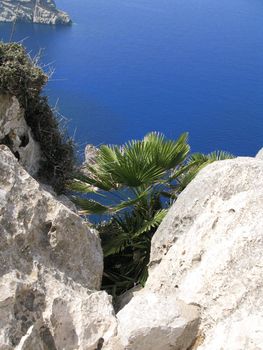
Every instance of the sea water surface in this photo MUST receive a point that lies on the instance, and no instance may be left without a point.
(127, 67)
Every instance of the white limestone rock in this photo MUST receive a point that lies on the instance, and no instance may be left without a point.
(91, 153)
(205, 286)
(208, 252)
(126, 297)
(15, 132)
(51, 265)
(40, 311)
(152, 321)
(36, 11)
(33, 219)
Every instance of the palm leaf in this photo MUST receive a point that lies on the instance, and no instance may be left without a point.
(81, 187)
(128, 203)
(90, 206)
(116, 244)
(95, 179)
(195, 163)
(151, 223)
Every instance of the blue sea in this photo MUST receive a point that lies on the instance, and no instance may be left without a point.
(127, 67)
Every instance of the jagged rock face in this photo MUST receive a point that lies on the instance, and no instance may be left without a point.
(91, 152)
(205, 286)
(207, 253)
(90, 155)
(15, 133)
(51, 265)
(36, 11)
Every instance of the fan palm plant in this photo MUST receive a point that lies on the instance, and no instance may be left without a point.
(131, 188)
(128, 174)
(126, 241)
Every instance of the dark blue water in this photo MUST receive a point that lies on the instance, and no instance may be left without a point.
(127, 67)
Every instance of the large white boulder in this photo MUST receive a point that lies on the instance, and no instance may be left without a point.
(51, 265)
(214, 186)
(205, 286)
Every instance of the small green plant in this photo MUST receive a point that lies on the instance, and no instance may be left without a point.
(127, 175)
(130, 188)
(20, 76)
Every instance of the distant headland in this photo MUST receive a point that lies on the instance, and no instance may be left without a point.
(34, 11)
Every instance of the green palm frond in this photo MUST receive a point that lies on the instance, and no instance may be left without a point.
(90, 206)
(108, 155)
(116, 245)
(210, 157)
(81, 187)
(194, 164)
(167, 153)
(220, 155)
(184, 180)
(154, 222)
(138, 162)
(96, 180)
(185, 168)
(130, 202)
(126, 237)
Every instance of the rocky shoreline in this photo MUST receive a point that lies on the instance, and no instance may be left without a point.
(34, 11)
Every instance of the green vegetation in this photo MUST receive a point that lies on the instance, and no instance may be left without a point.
(21, 77)
(131, 187)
